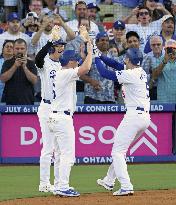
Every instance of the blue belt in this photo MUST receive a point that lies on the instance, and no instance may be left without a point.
(140, 108)
(65, 112)
(47, 101)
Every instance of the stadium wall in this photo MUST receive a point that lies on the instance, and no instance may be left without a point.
(95, 126)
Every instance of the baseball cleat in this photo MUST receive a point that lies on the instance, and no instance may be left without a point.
(46, 188)
(105, 185)
(67, 193)
(123, 192)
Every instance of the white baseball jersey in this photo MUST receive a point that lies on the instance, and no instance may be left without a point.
(135, 89)
(65, 89)
(47, 75)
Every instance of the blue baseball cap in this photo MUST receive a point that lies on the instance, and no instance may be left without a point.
(93, 5)
(119, 24)
(68, 55)
(101, 35)
(12, 16)
(59, 42)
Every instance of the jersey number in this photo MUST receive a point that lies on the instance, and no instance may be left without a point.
(52, 76)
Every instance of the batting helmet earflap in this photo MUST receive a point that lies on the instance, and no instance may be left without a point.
(135, 56)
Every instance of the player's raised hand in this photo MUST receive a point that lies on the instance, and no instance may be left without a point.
(55, 36)
(89, 47)
(84, 34)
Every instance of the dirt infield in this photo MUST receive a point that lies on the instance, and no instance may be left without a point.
(159, 197)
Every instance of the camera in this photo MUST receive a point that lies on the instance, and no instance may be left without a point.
(19, 55)
(169, 51)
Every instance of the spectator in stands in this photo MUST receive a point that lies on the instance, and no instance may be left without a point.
(165, 73)
(133, 41)
(81, 12)
(151, 61)
(119, 39)
(106, 2)
(40, 38)
(36, 6)
(92, 13)
(7, 53)
(167, 32)
(156, 9)
(144, 28)
(79, 42)
(13, 31)
(31, 24)
(53, 8)
(99, 90)
(19, 75)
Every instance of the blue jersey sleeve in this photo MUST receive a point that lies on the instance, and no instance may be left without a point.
(111, 75)
(112, 63)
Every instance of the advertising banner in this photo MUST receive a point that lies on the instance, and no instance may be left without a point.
(21, 135)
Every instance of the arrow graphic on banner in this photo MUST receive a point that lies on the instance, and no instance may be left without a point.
(145, 141)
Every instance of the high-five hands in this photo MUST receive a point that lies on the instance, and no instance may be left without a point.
(55, 33)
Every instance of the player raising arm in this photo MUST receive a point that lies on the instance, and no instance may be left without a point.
(47, 62)
(61, 121)
(135, 121)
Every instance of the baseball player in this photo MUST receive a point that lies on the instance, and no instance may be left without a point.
(61, 117)
(136, 120)
(47, 61)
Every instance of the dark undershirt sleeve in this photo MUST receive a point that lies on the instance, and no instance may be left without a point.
(39, 59)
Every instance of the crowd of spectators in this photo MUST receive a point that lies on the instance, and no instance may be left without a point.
(26, 27)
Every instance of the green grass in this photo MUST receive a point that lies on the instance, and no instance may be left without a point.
(22, 181)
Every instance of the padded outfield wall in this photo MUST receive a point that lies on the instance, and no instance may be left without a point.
(95, 125)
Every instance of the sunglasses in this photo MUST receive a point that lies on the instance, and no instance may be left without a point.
(156, 44)
(143, 13)
(153, 1)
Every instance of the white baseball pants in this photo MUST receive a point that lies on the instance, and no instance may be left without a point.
(132, 126)
(48, 147)
(62, 127)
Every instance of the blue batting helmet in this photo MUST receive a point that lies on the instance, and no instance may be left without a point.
(135, 56)
(56, 43)
(68, 55)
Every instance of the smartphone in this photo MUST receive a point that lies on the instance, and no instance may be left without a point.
(169, 51)
(19, 55)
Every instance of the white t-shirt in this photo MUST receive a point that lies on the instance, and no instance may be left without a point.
(7, 36)
(47, 75)
(135, 89)
(65, 89)
(145, 32)
(74, 26)
(41, 42)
